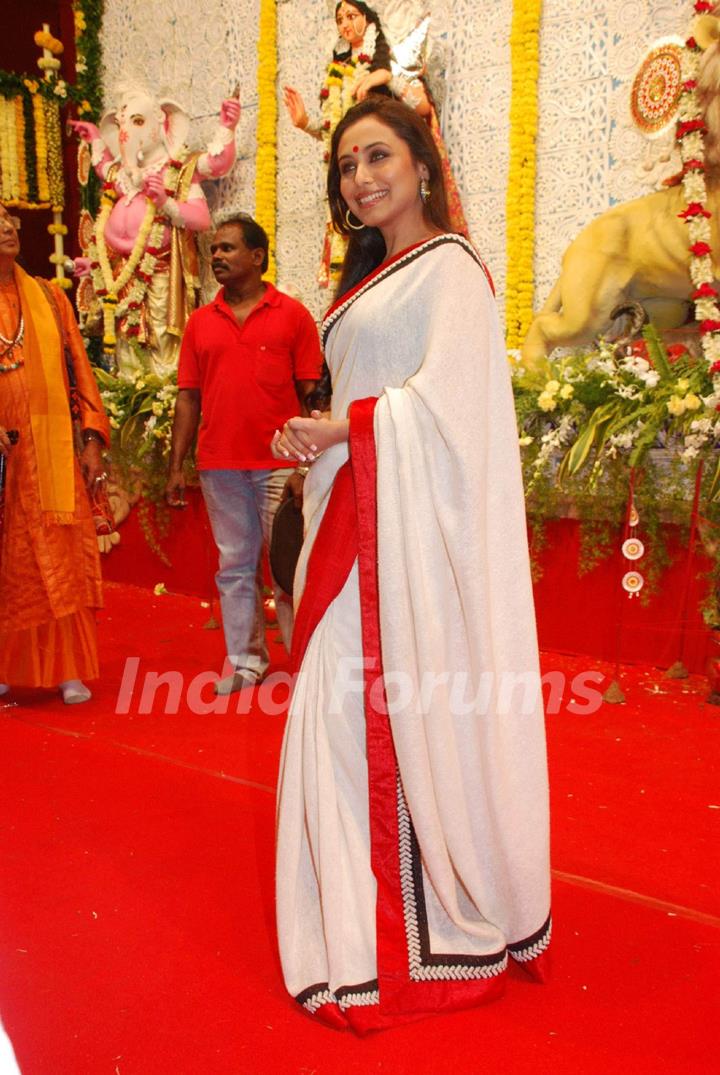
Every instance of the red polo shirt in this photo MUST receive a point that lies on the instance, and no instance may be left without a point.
(246, 375)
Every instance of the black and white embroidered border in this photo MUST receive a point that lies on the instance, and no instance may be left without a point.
(425, 965)
(532, 947)
(349, 996)
(439, 240)
(313, 998)
(358, 996)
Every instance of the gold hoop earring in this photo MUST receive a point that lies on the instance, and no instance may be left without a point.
(354, 227)
(424, 191)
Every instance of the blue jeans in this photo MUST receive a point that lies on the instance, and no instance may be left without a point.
(241, 505)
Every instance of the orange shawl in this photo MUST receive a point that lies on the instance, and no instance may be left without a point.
(49, 402)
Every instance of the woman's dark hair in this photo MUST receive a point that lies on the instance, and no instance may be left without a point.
(366, 248)
(381, 57)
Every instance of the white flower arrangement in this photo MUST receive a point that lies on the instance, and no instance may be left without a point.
(601, 406)
(141, 408)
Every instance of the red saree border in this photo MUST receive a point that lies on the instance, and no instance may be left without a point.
(329, 564)
(392, 960)
(400, 996)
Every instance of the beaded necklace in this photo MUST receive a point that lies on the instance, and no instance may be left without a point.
(6, 357)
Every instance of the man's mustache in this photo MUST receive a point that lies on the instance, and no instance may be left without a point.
(218, 265)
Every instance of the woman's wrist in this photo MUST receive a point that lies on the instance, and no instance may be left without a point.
(341, 430)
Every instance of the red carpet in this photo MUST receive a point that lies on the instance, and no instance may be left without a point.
(136, 892)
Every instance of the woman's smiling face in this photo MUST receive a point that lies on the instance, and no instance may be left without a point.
(379, 179)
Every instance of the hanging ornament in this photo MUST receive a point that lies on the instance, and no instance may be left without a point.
(85, 295)
(85, 230)
(84, 164)
(633, 583)
(633, 549)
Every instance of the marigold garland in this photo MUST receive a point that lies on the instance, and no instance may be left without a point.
(45, 40)
(524, 50)
(266, 160)
(30, 162)
(107, 286)
(31, 176)
(6, 152)
(20, 149)
(56, 179)
(11, 170)
(41, 149)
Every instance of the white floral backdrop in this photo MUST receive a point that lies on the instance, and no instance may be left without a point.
(589, 154)
(196, 53)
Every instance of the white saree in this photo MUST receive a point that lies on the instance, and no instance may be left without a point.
(412, 857)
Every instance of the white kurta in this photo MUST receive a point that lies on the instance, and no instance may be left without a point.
(459, 654)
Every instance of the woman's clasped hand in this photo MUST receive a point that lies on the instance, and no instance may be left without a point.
(305, 439)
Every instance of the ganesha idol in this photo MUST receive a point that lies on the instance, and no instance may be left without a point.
(143, 259)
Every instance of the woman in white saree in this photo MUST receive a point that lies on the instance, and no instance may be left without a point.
(412, 861)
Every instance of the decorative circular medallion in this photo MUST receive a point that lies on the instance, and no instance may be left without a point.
(85, 295)
(84, 162)
(633, 549)
(633, 582)
(85, 229)
(634, 517)
(657, 87)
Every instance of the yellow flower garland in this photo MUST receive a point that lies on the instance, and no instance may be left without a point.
(114, 285)
(10, 171)
(20, 149)
(524, 50)
(56, 180)
(266, 159)
(41, 149)
(47, 151)
(13, 161)
(5, 152)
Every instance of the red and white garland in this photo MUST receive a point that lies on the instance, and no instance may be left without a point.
(139, 266)
(690, 136)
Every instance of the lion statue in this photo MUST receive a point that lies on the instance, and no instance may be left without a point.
(637, 252)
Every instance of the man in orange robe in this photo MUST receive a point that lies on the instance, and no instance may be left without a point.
(50, 580)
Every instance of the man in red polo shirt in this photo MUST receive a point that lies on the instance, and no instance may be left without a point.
(248, 361)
